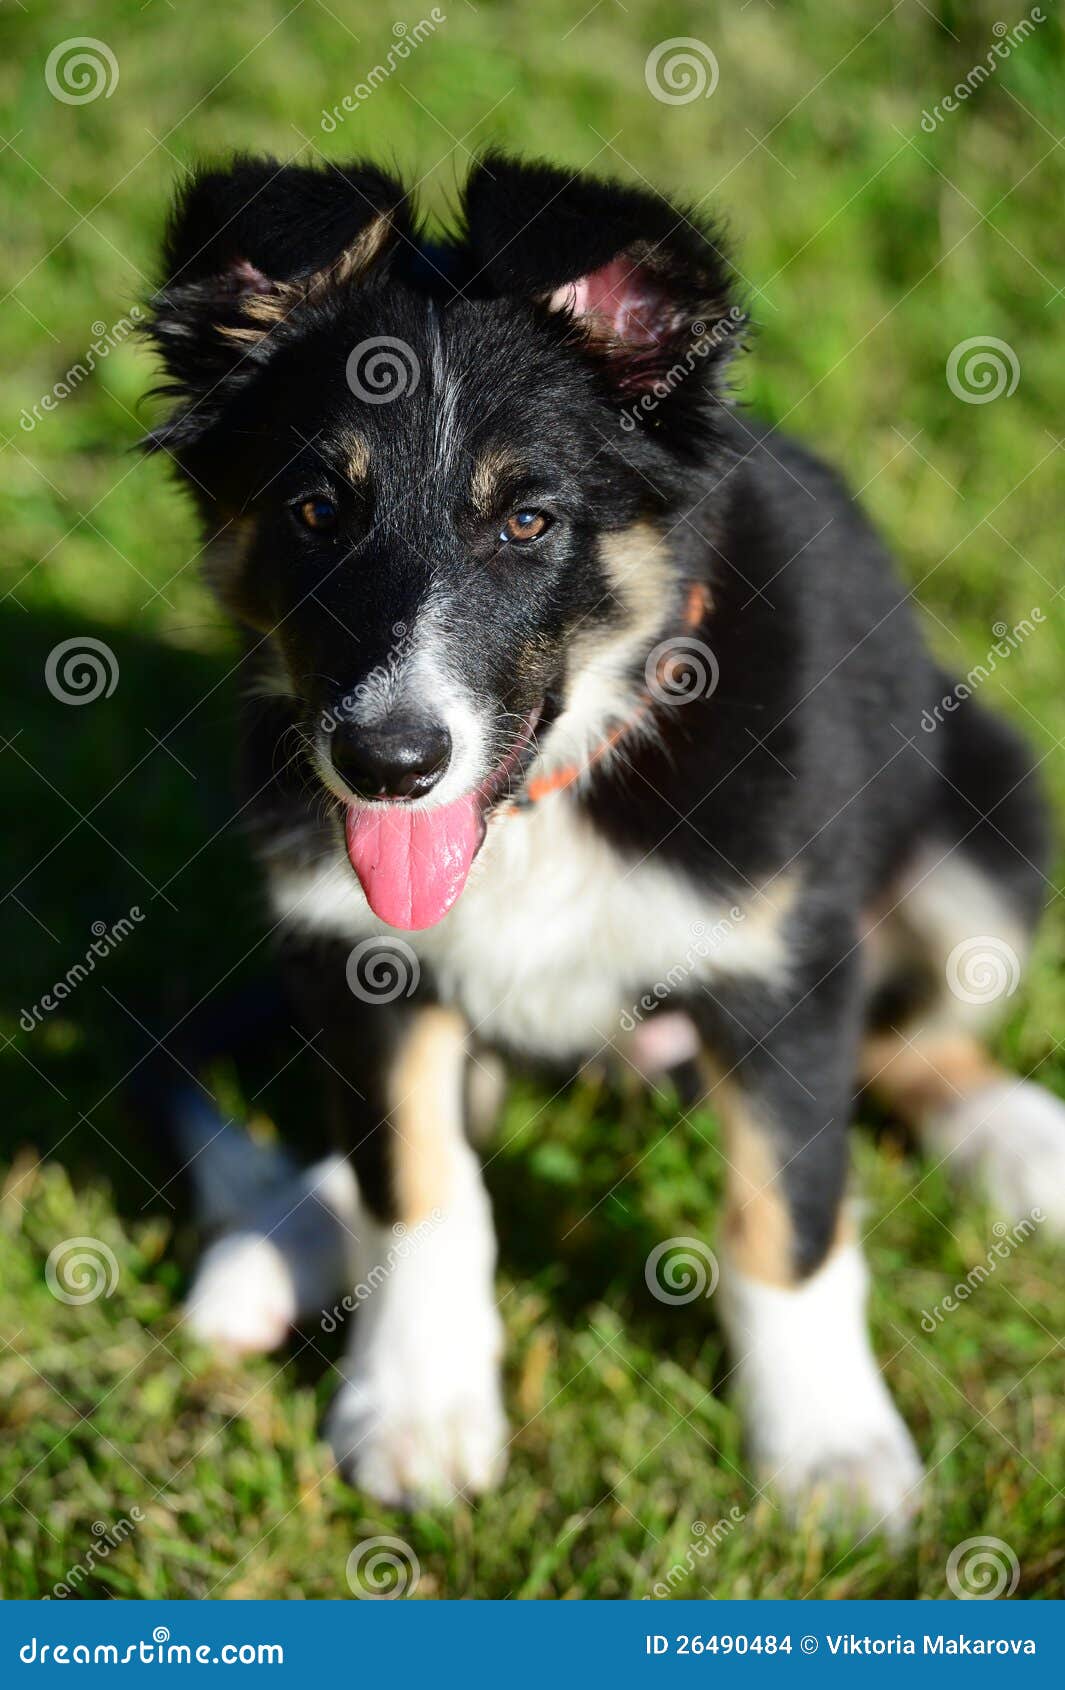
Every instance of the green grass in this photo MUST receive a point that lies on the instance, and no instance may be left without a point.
(871, 249)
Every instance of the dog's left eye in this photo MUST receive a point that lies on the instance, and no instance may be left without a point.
(315, 513)
(523, 526)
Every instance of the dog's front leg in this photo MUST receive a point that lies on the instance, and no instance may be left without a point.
(820, 1424)
(418, 1415)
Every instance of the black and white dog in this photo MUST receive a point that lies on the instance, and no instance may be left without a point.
(590, 712)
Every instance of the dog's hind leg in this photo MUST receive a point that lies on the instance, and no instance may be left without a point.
(954, 937)
(280, 1232)
(285, 1234)
(929, 1063)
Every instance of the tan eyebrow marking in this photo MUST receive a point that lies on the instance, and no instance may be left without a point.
(358, 460)
(488, 474)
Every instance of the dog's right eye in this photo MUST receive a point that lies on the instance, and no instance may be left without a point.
(317, 514)
(523, 526)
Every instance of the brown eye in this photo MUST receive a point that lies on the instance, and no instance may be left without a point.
(525, 525)
(317, 514)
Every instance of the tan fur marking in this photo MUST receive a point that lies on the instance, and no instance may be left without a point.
(265, 310)
(488, 474)
(637, 568)
(360, 256)
(245, 335)
(358, 461)
(425, 1091)
(224, 569)
(766, 914)
(644, 584)
(757, 1225)
(636, 562)
(917, 1078)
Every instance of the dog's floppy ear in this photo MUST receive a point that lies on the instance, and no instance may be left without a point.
(647, 283)
(248, 248)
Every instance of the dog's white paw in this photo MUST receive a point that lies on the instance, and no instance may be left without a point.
(289, 1260)
(411, 1437)
(419, 1417)
(820, 1425)
(1010, 1137)
(865, 1475)
(243, 1298)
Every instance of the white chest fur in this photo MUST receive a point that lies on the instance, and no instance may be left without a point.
(558, 946)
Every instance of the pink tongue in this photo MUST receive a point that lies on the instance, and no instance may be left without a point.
(412, 863)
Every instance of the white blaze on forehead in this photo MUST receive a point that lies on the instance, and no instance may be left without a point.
(432, 684)
(374, 698)
(422, 677)
(423, 672)
(445, 393)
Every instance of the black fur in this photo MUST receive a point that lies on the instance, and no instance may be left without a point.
(809, 752)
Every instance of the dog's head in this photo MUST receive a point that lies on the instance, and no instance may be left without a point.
(451, 485)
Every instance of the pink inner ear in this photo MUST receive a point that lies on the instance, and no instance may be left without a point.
(245, 278)
(625, 299)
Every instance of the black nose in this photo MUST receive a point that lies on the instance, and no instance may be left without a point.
(403, 758)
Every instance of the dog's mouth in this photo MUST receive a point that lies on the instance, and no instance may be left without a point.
(413, 862)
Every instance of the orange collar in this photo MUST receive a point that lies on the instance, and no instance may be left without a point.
(696, 606)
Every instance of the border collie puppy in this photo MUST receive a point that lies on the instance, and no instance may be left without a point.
(572, 689)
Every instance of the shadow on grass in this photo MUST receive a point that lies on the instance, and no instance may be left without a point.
(118, 811)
